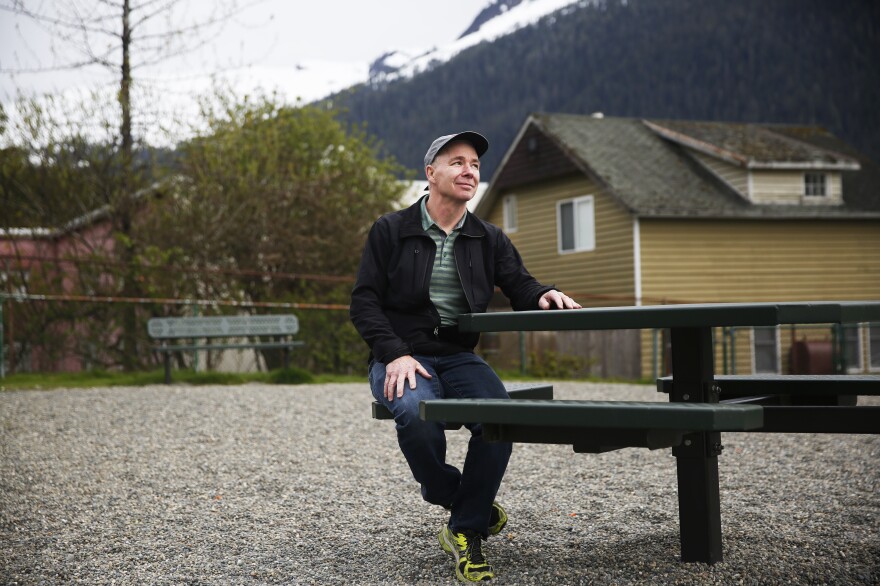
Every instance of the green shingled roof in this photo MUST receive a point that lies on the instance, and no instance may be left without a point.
(750, 145)
(654, 176)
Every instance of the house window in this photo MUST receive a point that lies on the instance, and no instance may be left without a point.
(575, 224)
(765, 349)
(815, 185)
(510, 218)
(874, 343)
(852, 348)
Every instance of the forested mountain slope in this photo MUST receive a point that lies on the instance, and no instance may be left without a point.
(781, 61)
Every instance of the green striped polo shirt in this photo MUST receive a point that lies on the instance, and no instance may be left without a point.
(446, 292)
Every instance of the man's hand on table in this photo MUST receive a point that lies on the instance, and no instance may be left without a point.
(398, 372)
(554, 299)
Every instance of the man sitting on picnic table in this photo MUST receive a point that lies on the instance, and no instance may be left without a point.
(421, 268)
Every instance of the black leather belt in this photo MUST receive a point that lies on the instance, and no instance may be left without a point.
(446, 333)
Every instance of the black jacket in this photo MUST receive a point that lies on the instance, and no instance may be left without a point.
(390, 303)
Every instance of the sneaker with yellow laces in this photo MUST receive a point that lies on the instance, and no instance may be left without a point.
(467, 549)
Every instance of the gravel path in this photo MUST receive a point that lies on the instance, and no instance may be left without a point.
(297, 485)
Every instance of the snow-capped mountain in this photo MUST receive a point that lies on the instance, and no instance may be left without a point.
(498, 18)
(314, 79)
(168, 95)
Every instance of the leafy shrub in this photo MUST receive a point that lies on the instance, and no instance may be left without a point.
(550, 364)
(290, 376)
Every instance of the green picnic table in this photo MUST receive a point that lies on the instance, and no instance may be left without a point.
(692, 421)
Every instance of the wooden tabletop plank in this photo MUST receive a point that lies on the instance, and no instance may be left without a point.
(665, 316)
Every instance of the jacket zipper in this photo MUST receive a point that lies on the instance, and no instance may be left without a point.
(467, 294)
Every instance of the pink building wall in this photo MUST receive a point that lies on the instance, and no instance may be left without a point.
(51, 259)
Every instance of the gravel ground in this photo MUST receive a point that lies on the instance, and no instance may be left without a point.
(297, 485)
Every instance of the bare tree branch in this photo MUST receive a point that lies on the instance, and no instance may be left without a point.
(76, 28)
(232, 10)
(54, 21)
(65, 67)
(116, 5)
(163, 9)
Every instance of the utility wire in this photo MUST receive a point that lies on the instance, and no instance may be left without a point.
(203, 270)
(170, 301)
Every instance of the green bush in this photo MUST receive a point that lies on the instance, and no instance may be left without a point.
(290, 376)
(550, 364)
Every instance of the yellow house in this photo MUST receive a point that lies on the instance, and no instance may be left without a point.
(620, 211)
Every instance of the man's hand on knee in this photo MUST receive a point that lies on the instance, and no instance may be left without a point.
(398, 372)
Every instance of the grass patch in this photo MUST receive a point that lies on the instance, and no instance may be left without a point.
(517, 376)
(101, 378)
(341, 378)
(291, 376)
(76, 380)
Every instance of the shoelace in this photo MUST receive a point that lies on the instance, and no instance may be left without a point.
(474, 548)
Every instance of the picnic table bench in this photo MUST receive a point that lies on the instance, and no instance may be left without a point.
(208, 328)
(693, 419)
(793, 403)
(593, 426)
(516, 390)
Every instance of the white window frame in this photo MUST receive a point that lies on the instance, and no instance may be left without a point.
(873, 338)
(511, 218)
(584, 235)
(777, 351)
(859, 366)
(815, 184)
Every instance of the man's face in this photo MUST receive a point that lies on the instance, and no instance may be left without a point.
(455, 172)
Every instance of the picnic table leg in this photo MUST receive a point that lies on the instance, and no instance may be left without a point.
(699, 501)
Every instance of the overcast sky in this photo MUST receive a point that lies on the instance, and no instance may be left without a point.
(270, 37)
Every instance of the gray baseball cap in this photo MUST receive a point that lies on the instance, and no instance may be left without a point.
(477, 140)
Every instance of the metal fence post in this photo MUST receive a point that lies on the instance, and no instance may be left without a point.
(2, 337)
(655, 362)
(196, 313)
(732, 331)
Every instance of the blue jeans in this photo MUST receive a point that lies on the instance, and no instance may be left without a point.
(467, 493)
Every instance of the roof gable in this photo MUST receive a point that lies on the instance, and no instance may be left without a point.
(534, 157)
